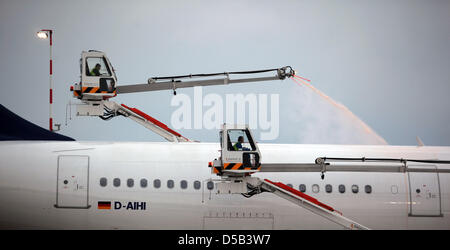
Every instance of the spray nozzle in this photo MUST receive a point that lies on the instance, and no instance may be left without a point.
(285, 72)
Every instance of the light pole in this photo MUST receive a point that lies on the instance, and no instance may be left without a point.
(44, 34)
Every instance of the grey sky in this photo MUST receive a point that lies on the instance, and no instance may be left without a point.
(387, 61)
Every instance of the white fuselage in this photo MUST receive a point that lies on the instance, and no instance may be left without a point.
(41, 187)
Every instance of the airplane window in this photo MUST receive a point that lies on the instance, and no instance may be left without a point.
(355, 189)
(394, 189)
(328, 188)
(197, 184)
(170, 184)
(130, 183)
(144, 183)
(103, 182)
(183, 184)
(210, 185)
(302, 188)
(368, 189)
(315, 188)
(290, 185)
(157, 183)
(341, 189)
(116, 182)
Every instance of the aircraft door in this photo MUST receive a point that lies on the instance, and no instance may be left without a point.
(72, 181)
(424, 193)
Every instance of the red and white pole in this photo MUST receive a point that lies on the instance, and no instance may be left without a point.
(51, 82)
(44, 34)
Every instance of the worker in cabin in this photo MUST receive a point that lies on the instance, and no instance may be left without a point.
(238, 145)
(96, 70)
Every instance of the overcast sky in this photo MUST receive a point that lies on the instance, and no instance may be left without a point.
(386, 61)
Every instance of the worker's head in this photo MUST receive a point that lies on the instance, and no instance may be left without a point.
(98, 66)
(241, 139)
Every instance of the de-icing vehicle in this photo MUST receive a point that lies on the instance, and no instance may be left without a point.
(98, 83)
(240, 158)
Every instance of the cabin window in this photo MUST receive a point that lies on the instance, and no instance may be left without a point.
(289, 185)
(302, 188)
(197, 184)
(103, 182)
(157, 183)
(328, 188)
(210, 185)
(97, 66)
(240, 140)
(315, 188)
(144, 183)
(107, 84)
(355, 189)
(183, 184)
(368, 189)
(130, 183)
(116, 182)
(341, 189)
(170, 184)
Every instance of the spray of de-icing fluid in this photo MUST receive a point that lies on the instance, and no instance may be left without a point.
(301, 81)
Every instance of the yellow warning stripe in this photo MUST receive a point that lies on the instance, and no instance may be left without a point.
(94, 90)
(236, 167)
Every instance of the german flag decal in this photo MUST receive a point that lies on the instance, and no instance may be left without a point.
(104, 205)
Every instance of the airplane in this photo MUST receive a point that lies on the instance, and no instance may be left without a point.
(50, 181)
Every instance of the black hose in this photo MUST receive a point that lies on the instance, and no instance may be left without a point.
(219, 74)
(105, 118)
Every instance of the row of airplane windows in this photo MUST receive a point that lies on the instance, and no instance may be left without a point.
(210, 185)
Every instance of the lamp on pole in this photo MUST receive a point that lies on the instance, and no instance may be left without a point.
(44, 34)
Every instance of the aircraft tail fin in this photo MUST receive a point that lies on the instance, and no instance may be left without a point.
(15, 128)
